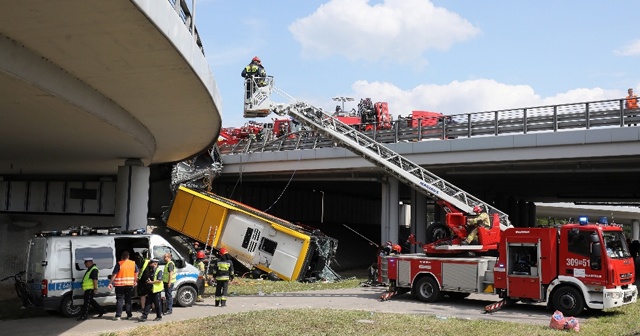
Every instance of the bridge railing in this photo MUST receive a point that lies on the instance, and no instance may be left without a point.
(550, 118)
(180, 6)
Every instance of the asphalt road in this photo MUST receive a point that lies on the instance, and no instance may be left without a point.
(366, 299)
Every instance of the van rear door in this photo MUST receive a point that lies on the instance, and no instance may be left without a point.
(103, 252)
(36, 265)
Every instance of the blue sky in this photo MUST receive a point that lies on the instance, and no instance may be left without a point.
(449, 56)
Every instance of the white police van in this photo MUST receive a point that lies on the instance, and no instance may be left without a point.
(55, 266)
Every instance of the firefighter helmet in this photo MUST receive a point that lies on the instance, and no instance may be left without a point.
(477, 209)
(397, 248)
(256, 59)
(200, 255)
(223, 251)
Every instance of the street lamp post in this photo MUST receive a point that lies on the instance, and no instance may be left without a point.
(342, 99)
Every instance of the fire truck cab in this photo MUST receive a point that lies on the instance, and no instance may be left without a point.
(570, 268)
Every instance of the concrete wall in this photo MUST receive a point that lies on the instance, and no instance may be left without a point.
(17, 229)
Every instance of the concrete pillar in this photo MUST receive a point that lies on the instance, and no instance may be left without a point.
(531, 211)
(132, 195)
(635, 230)
(512, 210)
(389, 214)
(418, 219)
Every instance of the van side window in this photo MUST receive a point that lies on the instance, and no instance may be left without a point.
(102, 257)
(159, 251)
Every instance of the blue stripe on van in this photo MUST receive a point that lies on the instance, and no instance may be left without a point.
(66, 285)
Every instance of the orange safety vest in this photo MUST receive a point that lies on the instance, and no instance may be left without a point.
(632, 102)
(127, 274)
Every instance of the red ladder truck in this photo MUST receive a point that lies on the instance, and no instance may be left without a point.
(571, 268)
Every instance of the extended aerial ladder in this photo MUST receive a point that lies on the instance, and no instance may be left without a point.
(456, 202)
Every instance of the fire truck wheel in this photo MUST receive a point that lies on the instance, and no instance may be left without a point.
(427, 290)
(568, 300)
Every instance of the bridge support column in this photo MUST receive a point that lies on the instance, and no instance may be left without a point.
(389, 213)
(635, 230)
(132, 195)
(418, 219)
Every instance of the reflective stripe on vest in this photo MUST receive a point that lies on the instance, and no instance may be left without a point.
(127, 274)
(223, 270)
(165, 273)
(144, 267)
(157, 287)
(87, 283)
(251, 70)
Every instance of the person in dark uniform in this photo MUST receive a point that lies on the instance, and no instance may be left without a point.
(143, 275)
(90, 288)
(155, 286)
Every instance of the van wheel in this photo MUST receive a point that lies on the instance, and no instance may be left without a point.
(186, 296)
(67, 308)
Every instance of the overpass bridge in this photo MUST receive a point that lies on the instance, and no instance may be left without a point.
(93, 94)
(586, 152)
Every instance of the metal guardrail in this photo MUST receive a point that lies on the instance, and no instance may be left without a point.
(180, 6)
(551, 118)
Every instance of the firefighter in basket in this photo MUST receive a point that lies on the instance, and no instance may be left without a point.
(482, 219)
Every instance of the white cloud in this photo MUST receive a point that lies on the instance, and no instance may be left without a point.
(469, 96)
(631, 49)
(392, 31)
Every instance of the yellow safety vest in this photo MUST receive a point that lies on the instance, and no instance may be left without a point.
(223, 270)
(144, 267)
(165, 273)
(157, 287)
(87, 283)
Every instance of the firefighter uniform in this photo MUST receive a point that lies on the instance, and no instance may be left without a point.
(90, 288)
(251, 71)
(224, 273)
(481, 220)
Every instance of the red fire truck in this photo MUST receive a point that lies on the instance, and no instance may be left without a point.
(570, 268)
(573, 267)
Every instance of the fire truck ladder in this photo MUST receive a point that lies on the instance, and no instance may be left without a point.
(391, 162)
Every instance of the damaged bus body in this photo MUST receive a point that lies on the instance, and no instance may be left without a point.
(252, 237)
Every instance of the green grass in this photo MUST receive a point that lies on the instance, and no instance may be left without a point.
(242, 286)
(338, 322)
(620, 321)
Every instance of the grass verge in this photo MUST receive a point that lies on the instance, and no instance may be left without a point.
(338, 322)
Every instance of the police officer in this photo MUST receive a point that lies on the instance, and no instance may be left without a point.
(143, 276)
(90, 288)
(224, 273)
(155, 287)
(169, 278)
